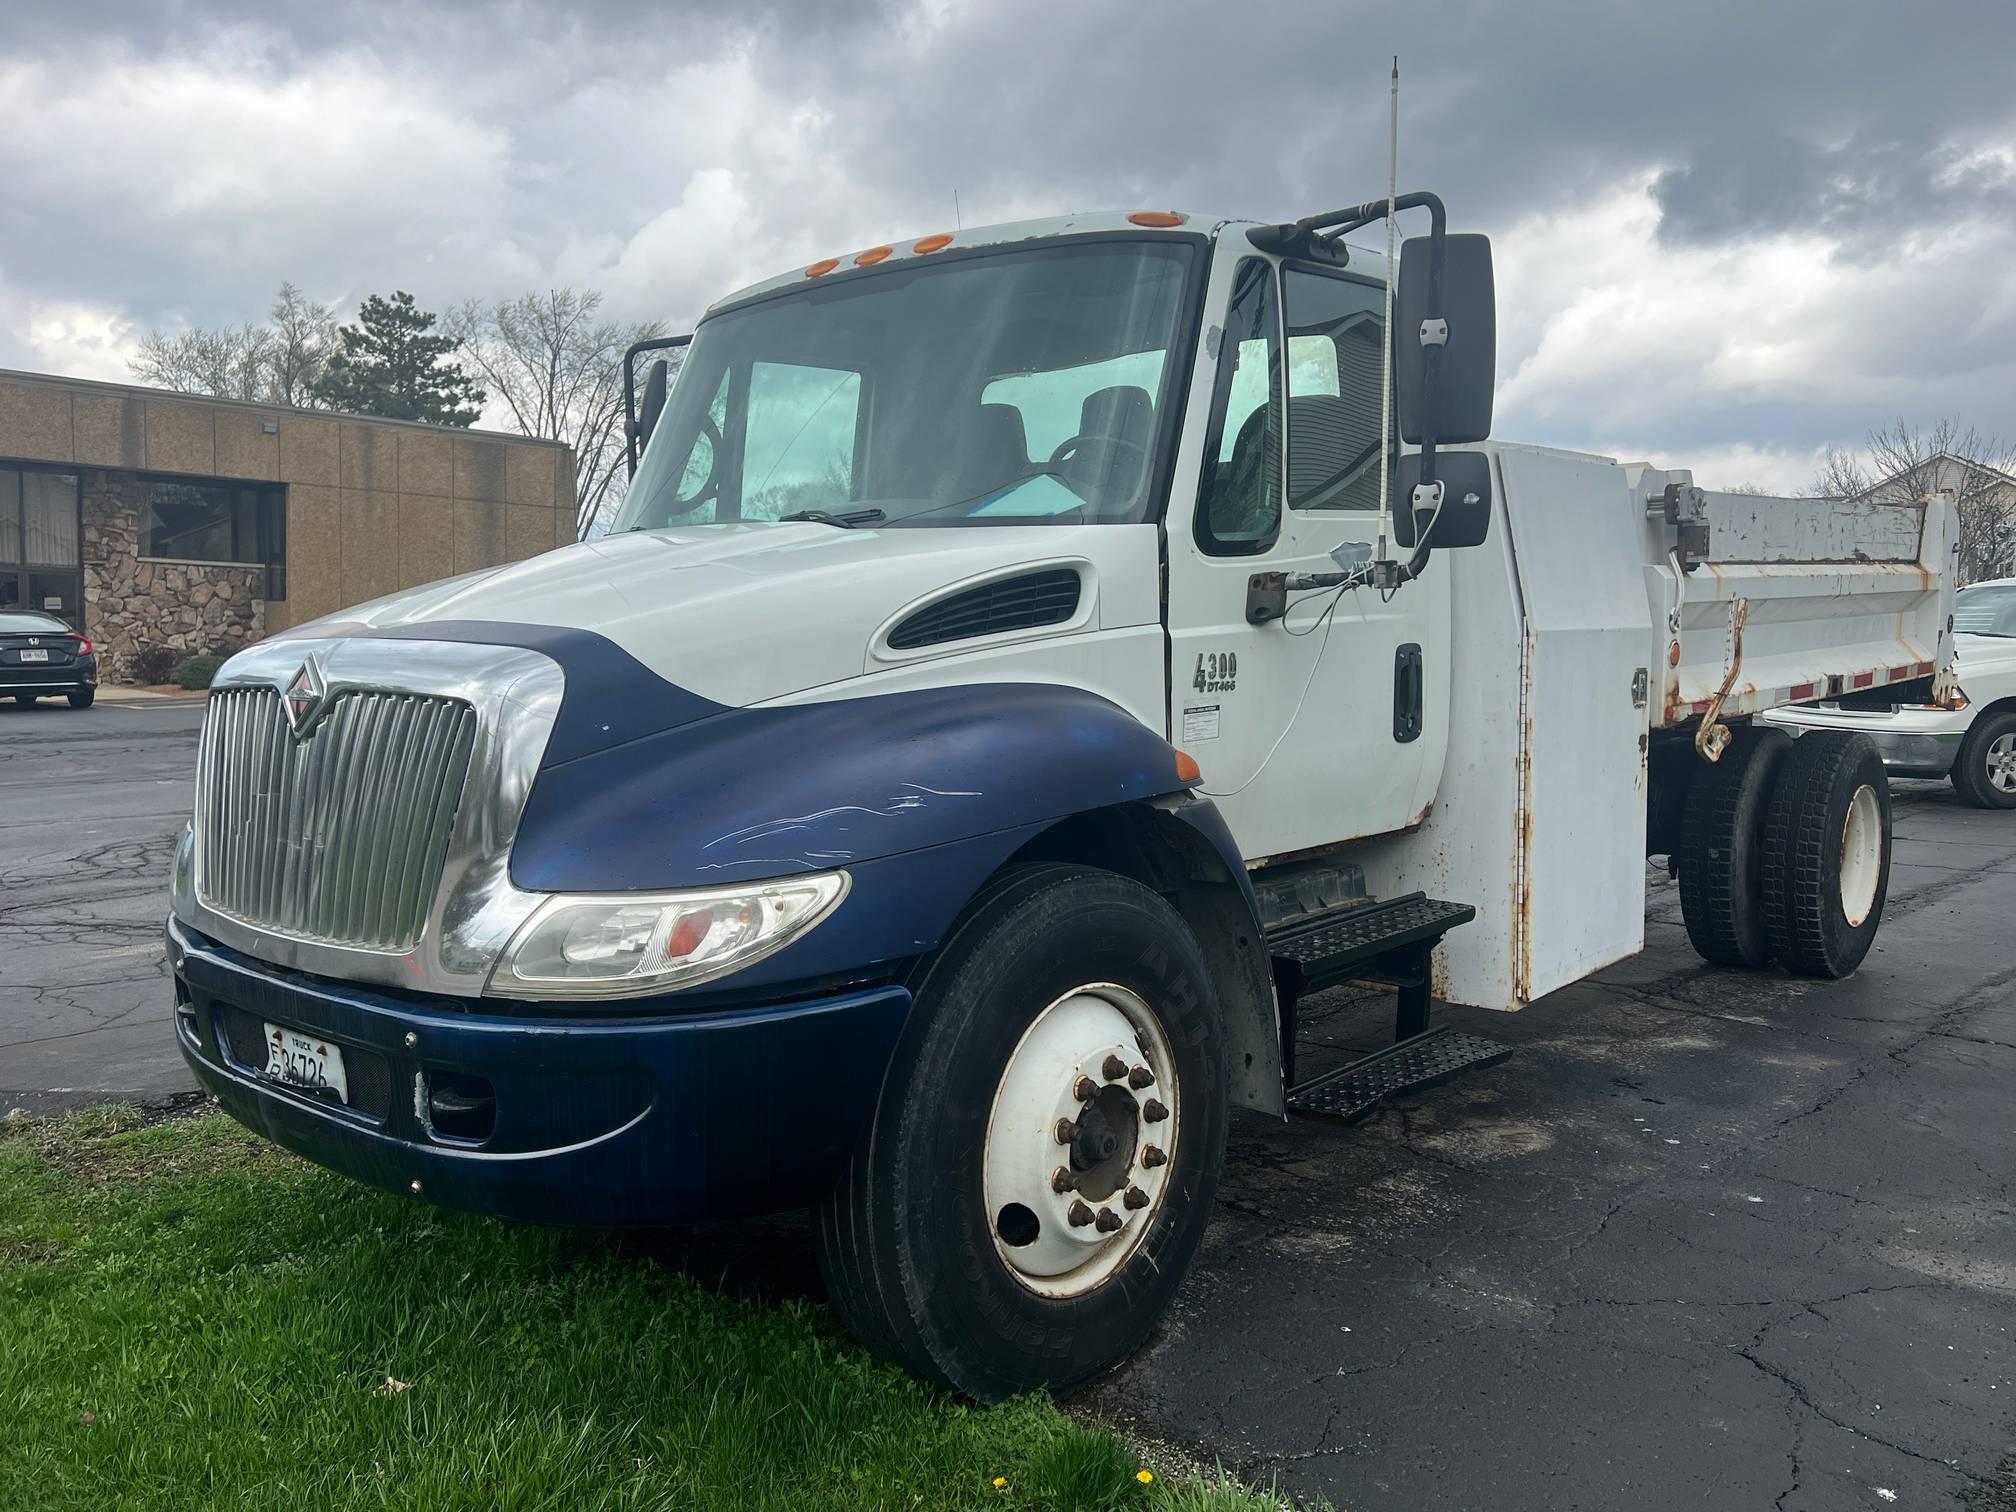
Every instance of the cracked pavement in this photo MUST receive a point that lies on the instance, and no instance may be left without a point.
(91, 801)
(1709, 1238)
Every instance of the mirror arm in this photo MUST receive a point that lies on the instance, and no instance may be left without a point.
(631, 439)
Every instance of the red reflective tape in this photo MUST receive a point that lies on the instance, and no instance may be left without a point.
(1864, 679)
(1800, 692)
(1924, 667)
(1900, 674)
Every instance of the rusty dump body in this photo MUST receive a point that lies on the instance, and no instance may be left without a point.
(1773, 601)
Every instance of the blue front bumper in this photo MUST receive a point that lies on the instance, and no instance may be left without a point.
(593, 1120)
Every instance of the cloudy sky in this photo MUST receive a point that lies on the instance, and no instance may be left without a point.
(1729, 232)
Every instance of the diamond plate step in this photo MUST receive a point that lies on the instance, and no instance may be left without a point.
(1353, 1091)
(1326, 946)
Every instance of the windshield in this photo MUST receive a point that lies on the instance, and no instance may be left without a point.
(1986, 610)
(1006, 389)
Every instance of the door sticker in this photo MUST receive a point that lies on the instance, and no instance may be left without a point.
(1200, 724)
(1217, 672)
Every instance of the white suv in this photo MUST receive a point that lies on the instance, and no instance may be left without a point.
(1975, 744)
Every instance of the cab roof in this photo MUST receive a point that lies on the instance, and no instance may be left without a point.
(917, 248)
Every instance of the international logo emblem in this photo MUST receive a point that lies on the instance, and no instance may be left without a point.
(302, 698)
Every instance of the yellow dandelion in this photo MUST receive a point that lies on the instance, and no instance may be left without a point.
(1144, 1476)
(1000, 1483)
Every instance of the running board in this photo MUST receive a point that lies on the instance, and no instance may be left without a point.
(1350, 1092)
(1394, 942)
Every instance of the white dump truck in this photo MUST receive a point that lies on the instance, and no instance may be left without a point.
(1026, 664)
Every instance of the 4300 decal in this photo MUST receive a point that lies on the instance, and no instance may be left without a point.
(1217, 672)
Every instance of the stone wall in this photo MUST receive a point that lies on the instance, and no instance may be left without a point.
(136, 602)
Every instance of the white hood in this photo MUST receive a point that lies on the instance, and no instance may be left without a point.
(742, 614)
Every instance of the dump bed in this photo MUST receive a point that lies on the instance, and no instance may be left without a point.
(1768, 601)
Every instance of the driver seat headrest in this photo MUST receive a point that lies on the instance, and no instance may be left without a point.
(1123, 412)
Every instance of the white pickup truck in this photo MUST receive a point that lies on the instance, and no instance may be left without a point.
(1005, 692)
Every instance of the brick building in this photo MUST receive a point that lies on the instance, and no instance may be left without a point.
(146, 518)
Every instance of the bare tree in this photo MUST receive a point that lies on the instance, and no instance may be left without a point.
(1902, 463)
(269, 364)
(228, 363)
(299, 344)
(558, 373)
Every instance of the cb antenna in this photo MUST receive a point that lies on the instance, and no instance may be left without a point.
(1386, 346)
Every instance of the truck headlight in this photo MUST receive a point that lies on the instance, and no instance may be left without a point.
(601, 945)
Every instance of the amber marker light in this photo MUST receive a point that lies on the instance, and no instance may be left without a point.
(871, 257)
(1187, 771)
(1158, 218)
(933, 243)
(822, 267)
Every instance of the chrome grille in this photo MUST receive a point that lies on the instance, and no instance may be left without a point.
(339, 837)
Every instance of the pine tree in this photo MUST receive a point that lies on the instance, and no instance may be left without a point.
(391, 365)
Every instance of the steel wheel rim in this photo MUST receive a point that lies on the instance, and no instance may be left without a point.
(2002, 763)
(1861, 855)
(1031, 1170)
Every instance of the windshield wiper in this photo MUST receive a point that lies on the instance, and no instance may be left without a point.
(846, 519)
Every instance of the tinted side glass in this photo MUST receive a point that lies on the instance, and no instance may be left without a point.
(1336, 346)
(1239, 491)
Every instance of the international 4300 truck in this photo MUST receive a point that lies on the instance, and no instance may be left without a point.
(1021, 670)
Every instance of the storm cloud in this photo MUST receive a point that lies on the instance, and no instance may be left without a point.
(1729, 234)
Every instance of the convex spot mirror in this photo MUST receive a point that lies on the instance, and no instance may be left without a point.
(1469, 366)
(1466, 499)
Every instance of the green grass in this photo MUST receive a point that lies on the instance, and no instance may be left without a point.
(191, 1318)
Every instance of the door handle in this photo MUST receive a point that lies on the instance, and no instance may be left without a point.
(1407, 681)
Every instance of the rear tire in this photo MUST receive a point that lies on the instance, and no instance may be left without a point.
(914, 1260)
(1827, 853)
(1721, 854)
(1984, 773)
(83, 700)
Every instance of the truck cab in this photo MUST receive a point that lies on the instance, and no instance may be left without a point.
(1025, 662)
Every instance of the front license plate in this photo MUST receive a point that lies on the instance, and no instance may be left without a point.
(28, 656)
(302, 1060)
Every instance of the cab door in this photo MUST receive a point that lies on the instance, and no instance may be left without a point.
(1327, 724)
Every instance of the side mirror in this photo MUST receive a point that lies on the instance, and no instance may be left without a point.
(1459, 410)
(1466, 499)
(654, 402)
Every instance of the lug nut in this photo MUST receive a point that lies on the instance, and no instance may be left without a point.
(1109, 1220)
(1140, 1077)
(416, 1189)
(1154, 1112)
(1066, 1131)
(412, 1040)
(1114, 1068)
(1135, 1198)
(1153, 1156)
(1061, 1179)
(1085, 1089)
(1080, 1214)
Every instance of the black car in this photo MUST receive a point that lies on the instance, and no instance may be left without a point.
(40, 656)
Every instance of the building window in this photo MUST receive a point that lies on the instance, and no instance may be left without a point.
(202, 521)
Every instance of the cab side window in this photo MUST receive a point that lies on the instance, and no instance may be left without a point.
(1336, 347)
(1239, 490)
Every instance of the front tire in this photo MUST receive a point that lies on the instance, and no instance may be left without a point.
(1984, 773)
(953, 1245)
(1827, 853)
(83, 698)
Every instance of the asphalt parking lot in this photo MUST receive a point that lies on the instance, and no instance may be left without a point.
(1709, 1239)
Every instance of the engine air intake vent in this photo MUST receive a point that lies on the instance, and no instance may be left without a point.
(1017, 603)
